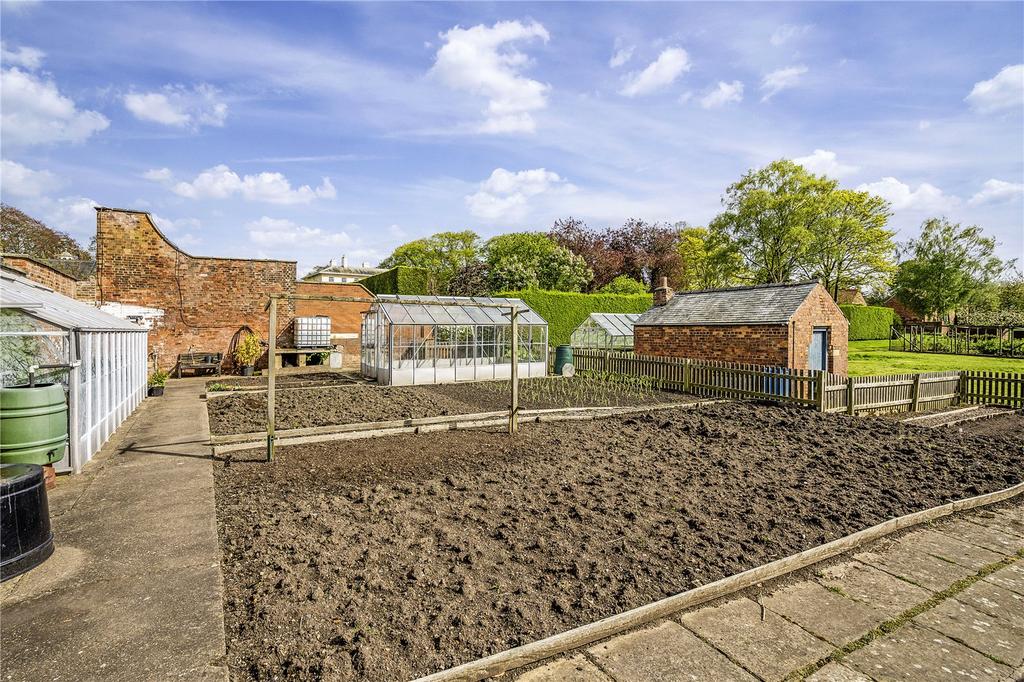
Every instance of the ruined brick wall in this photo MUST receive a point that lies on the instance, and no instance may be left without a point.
(346, 318)
(819, 311)
(754, 344)
(42, 273)
(204, 302)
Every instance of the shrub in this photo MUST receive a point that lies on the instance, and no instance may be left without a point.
(564, 311)
(158, 378)
(248, 350)
(869, 322)
(401, 279)
(624, 284)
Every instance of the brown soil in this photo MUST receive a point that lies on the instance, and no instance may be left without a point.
(244, 413)
(1010, 425)
(396, 557)
(290, 380)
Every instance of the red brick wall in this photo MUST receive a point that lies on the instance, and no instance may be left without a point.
(346, 318)
(817, 311)
(754, 344)
(43, 274)
(205, 301)
(85, 290)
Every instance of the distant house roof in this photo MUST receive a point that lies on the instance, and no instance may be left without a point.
(343, 270)
(851, 296)
(762, 304)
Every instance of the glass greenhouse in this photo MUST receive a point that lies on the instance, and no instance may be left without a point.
(443, 339)
(100, 359)
(605, 331)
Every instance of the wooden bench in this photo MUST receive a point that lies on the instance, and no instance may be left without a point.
(198, 361)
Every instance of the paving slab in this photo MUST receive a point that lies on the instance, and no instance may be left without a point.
(837, 672)
(988, 537)
(1009, 520)
(873, 586)
(951, 549)
(996, 601)
(770, 648)
(822, 612)
(667, 652)
(984, 632)
(1011, 577)
(573, 669)
(913, 565)
(919, 654)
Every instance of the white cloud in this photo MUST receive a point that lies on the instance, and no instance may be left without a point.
(35, 112)
(277, 231)
(824, 162)
(924, 124)
(220, 182)
(178, 106)
(925, 198)
(780, 80)
(783, 34)
(72, 214)
(505, 193)
(159, 175)
(994, 191)
(28, 57)
(623, 53)
(1005, 90)
(723, 94)
(20, 181)
(662, 72)
(483, 61)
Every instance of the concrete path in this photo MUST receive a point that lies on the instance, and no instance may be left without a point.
(945, 602)
(133, 590)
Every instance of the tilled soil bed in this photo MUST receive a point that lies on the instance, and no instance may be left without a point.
(390, 558)
(245, 413)
(290, 380)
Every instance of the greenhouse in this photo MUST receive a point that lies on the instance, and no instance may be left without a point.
(444, 339)
(100, 360)
(605, 331)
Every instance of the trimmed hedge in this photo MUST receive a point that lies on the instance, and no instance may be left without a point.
(869, 322)
(564, 311)
(401, 279)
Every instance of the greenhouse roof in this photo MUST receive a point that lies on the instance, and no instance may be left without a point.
(615, 324)
(46, 304)
(402, 309)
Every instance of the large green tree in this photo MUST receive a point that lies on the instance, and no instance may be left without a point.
(769, 219)
(849, 244)
(707, 261)
(443, 254)
(947, 266)
(522, 260)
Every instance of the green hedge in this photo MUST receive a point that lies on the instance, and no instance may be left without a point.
(564, 311)
(869, 322)
(400, 280)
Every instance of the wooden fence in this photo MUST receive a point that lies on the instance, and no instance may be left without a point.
(820, 390)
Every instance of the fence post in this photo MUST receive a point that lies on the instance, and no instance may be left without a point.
(606, 362)
(820, 380)
(915, 392)
(686, 375)
(961, 387)
(850, 407)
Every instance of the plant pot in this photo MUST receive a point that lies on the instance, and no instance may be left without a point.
(155, 391)
(247, 370)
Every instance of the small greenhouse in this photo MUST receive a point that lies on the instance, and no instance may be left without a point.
(100, 360)
(605, 331)
(443, 339)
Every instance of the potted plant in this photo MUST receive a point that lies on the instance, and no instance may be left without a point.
(157, 380)
(248, 352)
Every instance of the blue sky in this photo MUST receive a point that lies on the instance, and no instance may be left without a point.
(308, 131)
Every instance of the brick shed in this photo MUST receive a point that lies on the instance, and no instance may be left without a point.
(791, 325)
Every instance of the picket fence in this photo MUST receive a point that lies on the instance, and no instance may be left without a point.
(822, 391)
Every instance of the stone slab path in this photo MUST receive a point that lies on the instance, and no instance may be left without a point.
(944, 602)
(133, 590)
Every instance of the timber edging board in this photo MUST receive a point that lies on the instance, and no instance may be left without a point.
(555, 645)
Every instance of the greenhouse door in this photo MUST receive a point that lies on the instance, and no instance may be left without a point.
(817, 354)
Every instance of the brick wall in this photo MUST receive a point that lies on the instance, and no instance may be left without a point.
(784, 345)
(85, 290)
(346, 318)
(204, 301)
(42, 273)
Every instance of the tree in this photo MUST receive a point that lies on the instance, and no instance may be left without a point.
(707, 262)
(768, 219)
(443, 254)
(848, 243)
(20, 233)
(948, 265)
(649, 251)
(624, 285)
(591, 246)
(469, 280)
(522, 260)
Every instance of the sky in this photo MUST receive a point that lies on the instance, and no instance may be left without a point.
(308, 131)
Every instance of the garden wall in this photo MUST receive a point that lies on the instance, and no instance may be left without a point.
(346, 318)
(42, 273)
(194, 303)
(564, 311)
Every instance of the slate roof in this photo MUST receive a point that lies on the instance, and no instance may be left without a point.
(762, 304)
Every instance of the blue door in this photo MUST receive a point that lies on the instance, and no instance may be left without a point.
(817, 354)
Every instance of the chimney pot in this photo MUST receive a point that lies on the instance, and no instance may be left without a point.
(663, 293)
(344, 261)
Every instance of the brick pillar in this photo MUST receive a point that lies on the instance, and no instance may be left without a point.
(663, 292)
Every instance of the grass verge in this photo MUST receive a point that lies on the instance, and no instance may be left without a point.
(874, 357)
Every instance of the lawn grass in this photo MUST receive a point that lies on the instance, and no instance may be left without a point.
(874, 357)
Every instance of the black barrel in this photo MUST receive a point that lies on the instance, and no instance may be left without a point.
(25, 537)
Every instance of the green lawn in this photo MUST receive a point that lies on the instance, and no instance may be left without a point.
(874, 357)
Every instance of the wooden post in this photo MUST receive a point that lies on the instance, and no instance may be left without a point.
(961, 388)
(513, 415)
(271, 376)
(851, 408)
(686, 375)
(915, 392)
(820, 398)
